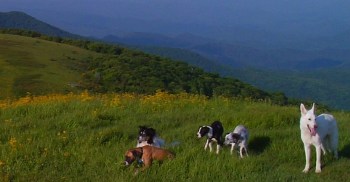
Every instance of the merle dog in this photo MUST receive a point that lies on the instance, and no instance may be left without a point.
(148, 136)
(239, 137)
(214, 133)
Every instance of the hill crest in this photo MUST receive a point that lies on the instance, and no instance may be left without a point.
(21, 20)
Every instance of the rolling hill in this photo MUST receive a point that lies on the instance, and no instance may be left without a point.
(35, 66)
(39, 66)
(297, 73)
(20, 20)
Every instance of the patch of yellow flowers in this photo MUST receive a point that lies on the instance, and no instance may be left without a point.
(116, 99)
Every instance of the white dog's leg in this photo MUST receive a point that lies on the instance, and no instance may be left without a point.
(218, 148)
(318, 159)
(241, 151)
(206, 144)
(210, 146)
(307, 158)
(246, 151)
(323, 149)
(232, 147)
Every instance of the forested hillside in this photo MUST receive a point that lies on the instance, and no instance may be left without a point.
(328, 86)
(117, 69)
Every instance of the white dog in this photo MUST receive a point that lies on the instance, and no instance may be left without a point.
(320, 131)
(240, 137)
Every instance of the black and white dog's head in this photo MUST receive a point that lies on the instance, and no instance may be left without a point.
(146, 134)
(205, 131)
(215, 130)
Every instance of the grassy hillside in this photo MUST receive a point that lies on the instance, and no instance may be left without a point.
(84, 137)
(38, 66)
(61, 66)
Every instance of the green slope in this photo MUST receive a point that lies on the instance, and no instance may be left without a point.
(37, 66)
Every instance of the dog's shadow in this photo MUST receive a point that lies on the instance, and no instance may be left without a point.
(345, 152)
(259, 144)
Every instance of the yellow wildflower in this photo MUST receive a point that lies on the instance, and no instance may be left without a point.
(2, 163)
(13, 142)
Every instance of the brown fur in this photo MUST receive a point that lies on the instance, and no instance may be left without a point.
(147, 154)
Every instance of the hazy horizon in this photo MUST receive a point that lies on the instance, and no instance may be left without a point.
(230, 20)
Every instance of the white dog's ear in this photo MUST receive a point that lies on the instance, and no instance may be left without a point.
(303, 111)
(313, 108)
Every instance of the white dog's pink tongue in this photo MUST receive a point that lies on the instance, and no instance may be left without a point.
(313, 131)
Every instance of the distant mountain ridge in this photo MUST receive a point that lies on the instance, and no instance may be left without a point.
(20, 20)
(236, 56)
(152, 39)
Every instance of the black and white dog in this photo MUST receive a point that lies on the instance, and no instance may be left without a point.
(214, 133)
(148, 136)
(239, 137)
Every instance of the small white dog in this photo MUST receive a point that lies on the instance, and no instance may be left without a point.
(320, 131)
(239, 137)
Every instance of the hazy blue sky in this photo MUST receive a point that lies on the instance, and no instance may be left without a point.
(202, 17)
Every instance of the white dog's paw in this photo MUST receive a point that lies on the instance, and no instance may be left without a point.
(305, 170)
(318, 171)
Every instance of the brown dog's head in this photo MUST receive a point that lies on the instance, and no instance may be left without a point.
(131, 155)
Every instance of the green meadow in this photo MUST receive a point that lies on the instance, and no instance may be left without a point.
(84, 137)
(37, 66)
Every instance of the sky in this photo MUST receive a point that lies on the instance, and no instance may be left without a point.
(215, 19)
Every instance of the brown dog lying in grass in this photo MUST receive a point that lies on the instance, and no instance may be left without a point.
(147, 154)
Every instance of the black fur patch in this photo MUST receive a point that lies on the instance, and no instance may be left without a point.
(203, 130)
(146, 134)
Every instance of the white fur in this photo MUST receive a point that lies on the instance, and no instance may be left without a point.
(243, 144)
(321, 132)
(157, 142)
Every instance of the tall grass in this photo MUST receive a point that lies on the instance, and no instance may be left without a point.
(84, 137)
